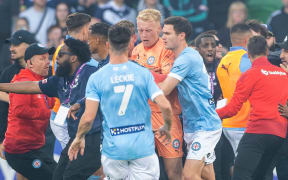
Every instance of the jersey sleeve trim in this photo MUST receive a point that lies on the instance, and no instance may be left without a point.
(93, 99)
(176, 76)
(156, 94)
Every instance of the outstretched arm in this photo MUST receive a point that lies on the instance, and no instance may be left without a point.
(85, 125)
(25, 87)
(168, 85)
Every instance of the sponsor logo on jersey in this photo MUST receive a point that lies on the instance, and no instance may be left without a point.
(36, 163)
(127, 129)
(151, 60)
(196, 146)
(176, 144)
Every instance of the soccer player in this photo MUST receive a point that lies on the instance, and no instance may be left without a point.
(151, 53)
(202, 126)
(122, 89)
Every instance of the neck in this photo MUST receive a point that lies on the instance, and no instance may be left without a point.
(76, 36)
(74, 68)
(119, 4)
(116, 58)
(62, 24)
(286, 9)
(151, 6)
(179, 49)
(240, 45)
(252, 59)
(39, 8)
(22, 62)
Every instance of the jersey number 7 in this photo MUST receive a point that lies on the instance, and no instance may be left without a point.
(127, 90)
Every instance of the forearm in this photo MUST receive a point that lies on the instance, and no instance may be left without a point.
(84, 126)
(166, 110)
(167, 116)
(26, 87)
(4, 97)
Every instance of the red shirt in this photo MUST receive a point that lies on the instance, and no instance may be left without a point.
(265, 86)
(28, 117)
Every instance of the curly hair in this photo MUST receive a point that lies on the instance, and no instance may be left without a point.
(79, 48)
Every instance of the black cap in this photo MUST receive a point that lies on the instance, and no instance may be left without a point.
(37, 49)
(21, 36)
(283, 45)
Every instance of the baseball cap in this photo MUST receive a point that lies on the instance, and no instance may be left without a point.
(21, 36)
(284, 44)
(37, 49)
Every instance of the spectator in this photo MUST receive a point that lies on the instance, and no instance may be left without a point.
(40, 18)
(277, 22)
(238, 13)
(206, 46)
(21, 24)
(83, 6)
(54, 35)
(9, 9)
(115, 11)
(218, 12)
(154, 4)
(28, 119)
(220, 50)
(62, 11)
(195, 11)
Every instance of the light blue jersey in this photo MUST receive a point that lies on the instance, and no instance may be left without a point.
(198, 107)
(123, 91)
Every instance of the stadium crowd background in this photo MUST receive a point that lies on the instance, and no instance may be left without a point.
(203, 14)
(48, 21)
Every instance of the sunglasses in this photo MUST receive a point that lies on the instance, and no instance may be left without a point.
(62, 53)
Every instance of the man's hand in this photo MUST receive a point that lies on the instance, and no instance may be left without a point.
(155, 69)
(283, 110)
(164, 131)
(73, 110)
(76, 146)
(2, 152)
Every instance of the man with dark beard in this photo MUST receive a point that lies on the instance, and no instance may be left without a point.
(69, 86)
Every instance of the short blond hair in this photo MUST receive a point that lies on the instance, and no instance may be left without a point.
(149, 15)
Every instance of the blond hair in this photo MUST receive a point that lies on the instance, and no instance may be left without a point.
(238, 5)
(149, 15)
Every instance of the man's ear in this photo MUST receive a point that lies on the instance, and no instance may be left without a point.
(73, 59)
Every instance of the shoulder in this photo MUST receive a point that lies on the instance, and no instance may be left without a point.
(137, 66)
(27, 12)
(89, 69)
(276, 13)
(50, 10)
(189, 55)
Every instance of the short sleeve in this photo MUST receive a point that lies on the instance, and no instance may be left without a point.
(92, 92)
(245, 63)
(49, 86)
(153, 89)
(181, 68)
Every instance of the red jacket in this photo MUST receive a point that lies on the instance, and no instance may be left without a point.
(266, 86)
(28, 117)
